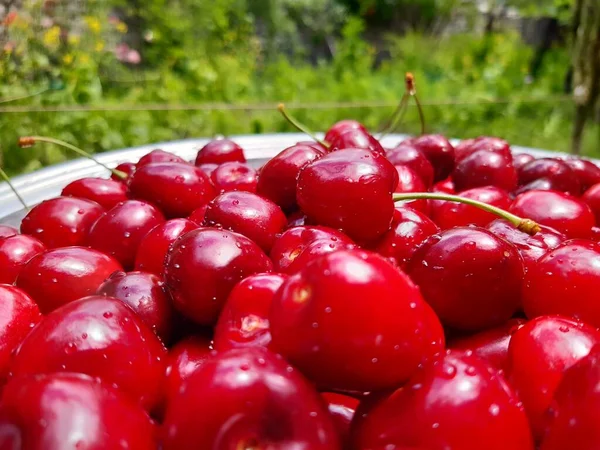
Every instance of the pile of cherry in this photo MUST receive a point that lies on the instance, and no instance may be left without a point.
(308, 304)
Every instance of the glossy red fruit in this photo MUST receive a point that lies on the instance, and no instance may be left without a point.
(220, 151)
(349, 190)
(18, 315)
(566, 214)
(538, 355)
(208, 168)
(314, 239)
(488, 143)
(61, 221)
(127, 168)
(277, 180)
(7, 231)
(246, 213)
(234, 176)
(439, 151)
(250, 399)
(409, 156)
(451, 214)
(565, 281)
(145, 294)
(459, 403)
(592, 198)
(409, 229)
(520, 159)
(342, 126)
(356, 138)
(446, 186)
(159, 156)
(558, 173)
(197, 216)
(490, 345)
(354, 310)
(153, 248)
(204, 265)
(470, 277)
(586, 171)
(342, 409)
(107, 193)
(244, 320)
(118, 231)
(15, 252)
(61, 275)
(100, 337)
(485, 168)
(409, 181)
(67, 410)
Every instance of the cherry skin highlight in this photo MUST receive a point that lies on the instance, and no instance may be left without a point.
(234, 176)
(342, 409)
(220, 151)
(107, 193)
(15, 252)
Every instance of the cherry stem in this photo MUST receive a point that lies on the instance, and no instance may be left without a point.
(526, 225)
(6, 178)
(300, 126)
(409, 81)
(29, 141)
(392, 122)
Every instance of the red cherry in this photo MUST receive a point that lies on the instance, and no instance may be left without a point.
(62, 275)
(446, 186)
(409, 229)
(558, 173)
(145, 294)
(407, 155)
(488, 143)
(342, 409)
(409, 181)
(244, 320)
(490, 345)
(320, 148)
(485, 168)
(541, 184)
(246, 213)
(220, 151)
(458, 403)
(586, 171)
(342, 126)
(350, 190)
(592, 198)
(15, 252)
(520, 159)
(470, 277)
(159, 156)
(538, 354)
(197, 216)
(118, 231)
(439, 151)
(7, 231)
(565, 281)
(100, 337)
(153, 247)
(451, 214)
(293, 242)
(204, 265)
(566, 214)
(208, 168)
(346, 320)
(356, 138)
(234, 176)
(277, 180)
(107, 193)
(65, 410)
(61, 221)
(250, 399)
(127, 168)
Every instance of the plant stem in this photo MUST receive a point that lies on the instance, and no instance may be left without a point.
(300, 126)
(6, 178)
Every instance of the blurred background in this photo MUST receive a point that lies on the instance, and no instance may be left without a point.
(108, 74)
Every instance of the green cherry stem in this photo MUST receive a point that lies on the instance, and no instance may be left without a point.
(6, 178)
(300, 126)
(526, 225)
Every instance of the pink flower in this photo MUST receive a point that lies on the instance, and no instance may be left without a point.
(127, 55)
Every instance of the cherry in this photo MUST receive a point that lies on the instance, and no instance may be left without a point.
(459, 403)
(490, 345)
(159, 156)
(204, 265)
(7, 231)
(197, 216)
(316, 145)
(350, 190)
(220, 151)
(208, 168)
(560, 176)
(313, 239)
(566, 214)
(61, 221)
(107, 193)
(488, 143)
(342, 409)
(118, 231)
(409, 229)
(277, 180)
(470, 277)
(439, 151)
(153, 247)
(346, 320)
(145, 294)
(409, 156)
(409, 181)
(538, 354)
(446, 186)
(565, 281)
(250, 399)
(100, 337)
(244, 320)
(66, 410)
(234, 176)
(356, 138)
(586, 171)
(246, 213)
(15, 252)
(18, 315)
(62, 275)
(342, 126)
(520, 159)
(592, 198)
(485, 168)
(126, 168)
(450, 214)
